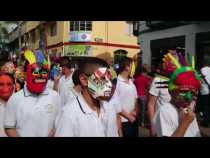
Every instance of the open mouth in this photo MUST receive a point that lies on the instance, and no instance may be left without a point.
(40, 80)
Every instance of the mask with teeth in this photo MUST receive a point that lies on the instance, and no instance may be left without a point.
(37, 72)
(99, 84)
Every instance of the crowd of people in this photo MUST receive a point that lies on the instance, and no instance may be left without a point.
(42, 98)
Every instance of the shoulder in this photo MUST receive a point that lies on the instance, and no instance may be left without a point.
(15, 99)
(18, 95)
(52, 92)
(71, 107)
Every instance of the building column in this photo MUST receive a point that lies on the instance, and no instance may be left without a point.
(190, 43)
(146, 50)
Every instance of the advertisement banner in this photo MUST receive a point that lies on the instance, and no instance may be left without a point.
(80, 36)
(77, 50)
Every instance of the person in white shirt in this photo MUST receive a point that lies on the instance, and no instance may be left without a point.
(72, 92)
(85, 116)
(64, 81)
(112, 109)
(205, 93)
(128, 99)
(54, 72)
(177, 118)
(157, 98)
(32, 111)
(7, 84)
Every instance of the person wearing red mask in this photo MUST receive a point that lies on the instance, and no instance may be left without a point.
(6, 90)
(177, 117)
(31, 112)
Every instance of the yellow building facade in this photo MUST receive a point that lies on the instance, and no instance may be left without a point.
(104, 39)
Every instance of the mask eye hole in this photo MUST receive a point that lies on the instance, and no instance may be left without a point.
(35, 72)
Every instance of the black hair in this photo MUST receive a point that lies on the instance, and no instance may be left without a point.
(21, 83)
(123, 63)
(114, 81)
(9, 75)
(66, 62)
(75, 77)
(87, 66)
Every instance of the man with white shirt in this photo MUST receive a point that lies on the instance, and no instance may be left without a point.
(7, 84)
(177, 118)
(31, 112)
(112, 108)
(205, 93)
(72, 92)
(157, 96)
(85, 116)
(64, 81)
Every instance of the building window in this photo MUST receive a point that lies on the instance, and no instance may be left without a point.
(53, 29)
(80, 25)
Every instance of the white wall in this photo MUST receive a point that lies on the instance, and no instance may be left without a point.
(189, 31)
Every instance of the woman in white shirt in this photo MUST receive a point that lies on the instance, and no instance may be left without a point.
(6, 90)
(128, 99)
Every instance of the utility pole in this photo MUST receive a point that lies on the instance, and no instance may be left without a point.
(19, 34)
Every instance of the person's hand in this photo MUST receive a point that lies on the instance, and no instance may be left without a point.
(187, 115)
(131, 118)
(152, 132)
(134, 113)
(57, 78)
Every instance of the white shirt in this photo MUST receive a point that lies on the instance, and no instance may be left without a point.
(204, 90)
(111, 111)
(69, 94)
(2, 111)
(167, 119)
(62, 85)
(127, 95)
(50, 84)
(162, 93)
(32, 115)
(79, 120)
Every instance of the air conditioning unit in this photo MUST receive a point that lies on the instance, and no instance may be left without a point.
(98, 39)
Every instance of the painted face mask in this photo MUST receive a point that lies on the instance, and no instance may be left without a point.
(183, 80)
(99, 84)
(37, 72)
(37, 77)
(184, 99)
(6, 87)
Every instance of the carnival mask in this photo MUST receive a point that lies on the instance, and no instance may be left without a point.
(99, 83)
(184, 98)
(37, 72)
(6, 87)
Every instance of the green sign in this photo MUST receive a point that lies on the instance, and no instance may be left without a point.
(77, 50)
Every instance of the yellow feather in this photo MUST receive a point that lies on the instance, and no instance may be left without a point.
(175, 62)
(193, 62)
(30, 57)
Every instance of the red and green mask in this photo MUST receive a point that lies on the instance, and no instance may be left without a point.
(37, 72)
(184, 80)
